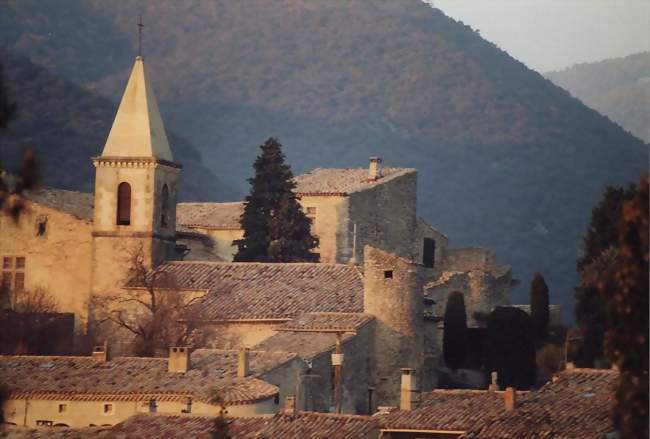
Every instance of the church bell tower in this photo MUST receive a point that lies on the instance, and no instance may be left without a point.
(135, 188)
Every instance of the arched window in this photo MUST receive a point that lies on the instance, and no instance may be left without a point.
(124, 204)
(164, 209)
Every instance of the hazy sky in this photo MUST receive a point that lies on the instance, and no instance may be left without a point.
(554, 34)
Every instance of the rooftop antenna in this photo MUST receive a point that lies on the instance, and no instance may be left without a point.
(140, 26)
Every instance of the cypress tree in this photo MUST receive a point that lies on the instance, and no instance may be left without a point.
(454, 338)
(539, 313)
(510, 347)
(275, 227)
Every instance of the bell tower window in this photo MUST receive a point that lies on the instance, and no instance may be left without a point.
(124, 204)
(164, 210)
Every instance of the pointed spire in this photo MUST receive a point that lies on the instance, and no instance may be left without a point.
(138, 130)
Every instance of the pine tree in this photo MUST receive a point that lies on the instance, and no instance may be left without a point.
(275, 227)
(454, 339)
(539, 313)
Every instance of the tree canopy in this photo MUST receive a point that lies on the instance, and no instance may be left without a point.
(275, 227)
(624, 288)
(454, 341)
(539, 312)
(510, 347)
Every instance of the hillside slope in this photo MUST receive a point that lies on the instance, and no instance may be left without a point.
(66, 125)
(618, 88)
(506, 159)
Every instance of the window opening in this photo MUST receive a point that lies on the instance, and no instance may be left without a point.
(124, 204)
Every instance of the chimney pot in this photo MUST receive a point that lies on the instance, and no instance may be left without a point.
(243, 363)
(494, 386)
(409, 392)
(100, 353)
(570, 366)
(510, 399)
(290, 405)
(179, 359)
(374, 169)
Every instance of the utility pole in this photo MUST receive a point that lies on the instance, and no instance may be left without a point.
(337, 362)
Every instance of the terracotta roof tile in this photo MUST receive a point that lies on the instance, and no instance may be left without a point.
(210, 215)
(301, 425)
(240, 291)
(327, 321)
(343, 181)
(446, 410)
(78, 204)
(577, 406)
(305, 344)
(130, 378)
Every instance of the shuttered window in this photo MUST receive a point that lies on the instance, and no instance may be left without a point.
(124, 204)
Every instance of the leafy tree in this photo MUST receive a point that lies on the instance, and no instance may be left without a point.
(275, 227)
(510, 347)
(602, 230)
(598, 256)
(454, 341)
(539, 313)
(624, 288)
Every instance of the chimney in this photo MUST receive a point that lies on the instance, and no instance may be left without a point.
(100, 353)
(374, 169)
(290, 405)
(510, 399)
(570, 366)
(493, 384)
(409, 393)
(243, 363)
(179, 359)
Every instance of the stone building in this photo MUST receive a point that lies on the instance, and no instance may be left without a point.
(376, 295)
(99, 390)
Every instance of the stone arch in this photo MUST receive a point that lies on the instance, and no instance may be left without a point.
(123, 204)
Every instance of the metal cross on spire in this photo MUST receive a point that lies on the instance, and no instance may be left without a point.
(140, 26)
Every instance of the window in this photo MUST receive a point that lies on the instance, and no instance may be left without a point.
(164, 208)
(13, 273)
(428, 252)
(41, 225)
(63, 408)
(124, 204)
(388, 274)
(108, 409)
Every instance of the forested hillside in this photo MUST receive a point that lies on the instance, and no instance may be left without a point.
(66, 125)
(506, 159)
(618, 88)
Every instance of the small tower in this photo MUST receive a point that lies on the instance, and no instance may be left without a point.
(135, 188)
(393, 294)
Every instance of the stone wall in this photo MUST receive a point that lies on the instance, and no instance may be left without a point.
(330, 222)
(424, 230)
(235, 335)
(386, 216)
(58, 261)
(213, 245)
(393, 294)
(469, 258)
(79, 414)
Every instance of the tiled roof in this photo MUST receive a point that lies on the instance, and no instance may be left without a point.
(327, 321)
(577, 406)
(301, 425)
(210, 215)
(305, 344)
(446, 410)
(240, 291)
(78, 204)
(343, 181)
(135, 379)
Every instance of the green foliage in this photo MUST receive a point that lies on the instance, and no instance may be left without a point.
(510, 347)
(624, 288)
(602, 231)
(454, 341)
(539, 312)
(275, 227)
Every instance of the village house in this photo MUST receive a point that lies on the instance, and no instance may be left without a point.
(377, 295)
(99, 390)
